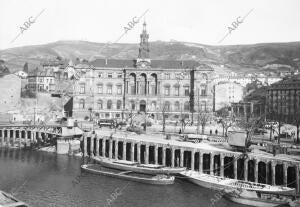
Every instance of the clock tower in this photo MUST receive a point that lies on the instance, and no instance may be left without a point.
(143, 59)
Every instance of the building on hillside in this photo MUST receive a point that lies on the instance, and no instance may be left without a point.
(21, 74)
(10, 92)
(227, 93)
(283, 100)
(112, 88)
(41, 81)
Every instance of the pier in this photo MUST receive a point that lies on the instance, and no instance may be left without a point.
(202, 157)
(25, 135)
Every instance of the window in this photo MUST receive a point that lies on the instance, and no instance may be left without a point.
(100, 75)
(176, 90)
(109, 104)
(167, 106)
(167, 76)
(82, 88)
(100, 88)
(119, 75)
(81, 103)
(109, 89)
(177, 106)
(167, 90)
(119, 104)
(203, 90)
(186, 106)
(118, 115)
(186, 90)
(109, 75)
(132, 104)
(100, 104)
(119, 89)
(153, 105)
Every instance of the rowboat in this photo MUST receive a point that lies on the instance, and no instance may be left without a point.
(243, 192)
(151, 169)
(7, 200)
(128, 175)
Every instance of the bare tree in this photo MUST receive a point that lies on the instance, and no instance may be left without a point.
(164, 110)
(203, 118)
(184, 121)
(225, 120)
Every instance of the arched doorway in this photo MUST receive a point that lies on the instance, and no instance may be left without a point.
(143, 106)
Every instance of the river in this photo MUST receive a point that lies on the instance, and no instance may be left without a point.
(47, 179)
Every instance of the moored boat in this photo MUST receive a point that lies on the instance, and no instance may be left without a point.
(129, 175)
(8, 200)
(259, 199)
(151, 169)
(243, 192)
(222, 183)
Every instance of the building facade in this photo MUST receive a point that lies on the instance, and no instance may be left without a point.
(41, 81)
(283, 100)
(112, 88)
(227, 93)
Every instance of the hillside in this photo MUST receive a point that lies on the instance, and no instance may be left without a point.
(238, 58)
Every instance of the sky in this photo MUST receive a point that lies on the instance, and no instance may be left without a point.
(198, 21)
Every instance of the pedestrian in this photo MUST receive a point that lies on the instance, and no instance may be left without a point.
(216, 132)
(179, 131)
(210, 132)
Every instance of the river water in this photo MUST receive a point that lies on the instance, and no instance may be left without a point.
(46, 179)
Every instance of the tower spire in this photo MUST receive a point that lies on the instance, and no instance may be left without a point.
(144, 44)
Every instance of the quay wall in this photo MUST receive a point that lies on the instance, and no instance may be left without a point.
(259, 168)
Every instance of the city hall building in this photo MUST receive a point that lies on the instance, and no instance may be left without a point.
(111, 88)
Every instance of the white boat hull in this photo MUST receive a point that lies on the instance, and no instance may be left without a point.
(254, 202)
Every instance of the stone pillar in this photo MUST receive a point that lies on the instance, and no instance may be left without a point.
(200, 162)
(103, 147)
(20, 139)
(156, 154)
(297, 179)
(132, 151)
(33, 136)
(92, 146)
(172, 157)
(116, 149)
(256, 170)
(246, 169)
(285, 174)
(273, 172)
(235, 167)
(110, 148)
(138, 153)
(124, 151)
(147, 154)
(164, 151)
(181, 157)
(14, 138)
(245, 110)
(84, 145)
(221, 165)
(211, 167)
(97, 146)
(193, 160)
